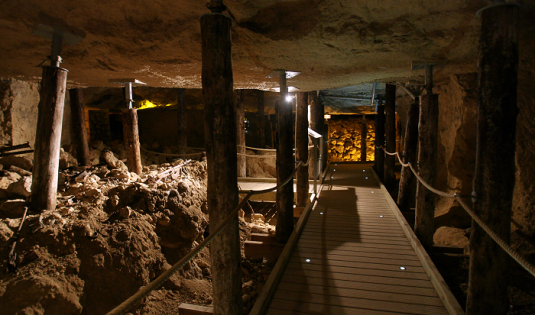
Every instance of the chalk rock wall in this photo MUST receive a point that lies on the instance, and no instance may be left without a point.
(18, 119)
(345, 139)
(456, 146)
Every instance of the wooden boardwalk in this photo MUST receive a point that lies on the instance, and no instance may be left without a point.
(355, 256)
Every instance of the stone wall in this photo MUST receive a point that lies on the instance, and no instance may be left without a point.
(456, 146)
(18, 119)
(345, 139)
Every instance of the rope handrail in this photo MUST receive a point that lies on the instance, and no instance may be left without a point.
(156, 283)
(457, 196)
(171, 154)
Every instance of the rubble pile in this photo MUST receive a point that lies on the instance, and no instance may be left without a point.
(112, 232)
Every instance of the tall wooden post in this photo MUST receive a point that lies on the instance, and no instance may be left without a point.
(380, 141)
(240, 136)
(390, 128)
(261, 120)
(424, 226)
(363, 136)
(131, 140)
(494, 177)
(79, 126)
(285, 165)
(220, 141)
(301, 148)
(182, 126)
(406, 182)
(48, 138)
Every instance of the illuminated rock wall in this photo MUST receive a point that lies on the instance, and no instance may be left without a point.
(345, 139)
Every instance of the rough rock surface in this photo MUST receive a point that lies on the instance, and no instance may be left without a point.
(333, 43)
(345, 139)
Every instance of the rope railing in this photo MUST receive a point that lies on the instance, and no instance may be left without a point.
(172, 154)
(457, 196)
(156, 283)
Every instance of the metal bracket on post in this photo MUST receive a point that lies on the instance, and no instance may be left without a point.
(128, 98)
(59, 32)
(428, 66)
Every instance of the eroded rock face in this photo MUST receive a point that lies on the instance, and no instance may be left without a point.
(457, 146)
(334, 43)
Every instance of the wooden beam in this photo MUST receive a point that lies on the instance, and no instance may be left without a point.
(285, 166)
(261, 237)
(131, 140)
(190, 309)
(261, 120)
(424, 225)
(48, 139)
(363, 136)
(221, 155)
(259, 250)
(240, 135)
(182, 126)
(494, 178)
(301, 148)
(407, 190)
(78, 124)
(380, 142)
(390, 130)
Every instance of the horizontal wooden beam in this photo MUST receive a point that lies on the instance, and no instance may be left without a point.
(190, 309)
(262, 237)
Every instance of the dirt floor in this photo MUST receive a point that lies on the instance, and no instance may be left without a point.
(113, 232)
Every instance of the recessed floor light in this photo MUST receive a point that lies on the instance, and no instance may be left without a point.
(402, 268)
(308, 260)
(381, 216)
(372, 192)
(366, 177)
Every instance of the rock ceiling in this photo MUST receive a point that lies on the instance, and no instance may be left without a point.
(333, 43)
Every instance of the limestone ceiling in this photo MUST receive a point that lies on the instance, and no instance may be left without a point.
(333, 43)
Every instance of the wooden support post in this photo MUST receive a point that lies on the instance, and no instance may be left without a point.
(48, 138)
(182, 126)
(316, 113)
(79, 127)
(390, 128)
(407, 180)
(424, 226)
(131, 140)
(261, 120)
(301, 148)
(494, 177)
(240, 136)
(363, 136)
(221, 155)
(380, 141)
(285, 166)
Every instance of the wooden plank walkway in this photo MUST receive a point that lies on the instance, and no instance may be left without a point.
(354, 256)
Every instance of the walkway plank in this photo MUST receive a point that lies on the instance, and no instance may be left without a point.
(354, 256)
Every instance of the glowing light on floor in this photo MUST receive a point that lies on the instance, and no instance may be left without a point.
(372, 192)
(402, 268)
(321, 212)
(366, 177)
(381, 216)
(308, 260)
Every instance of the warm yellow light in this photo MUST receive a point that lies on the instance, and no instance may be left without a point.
(327, 116)
(148, 104)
